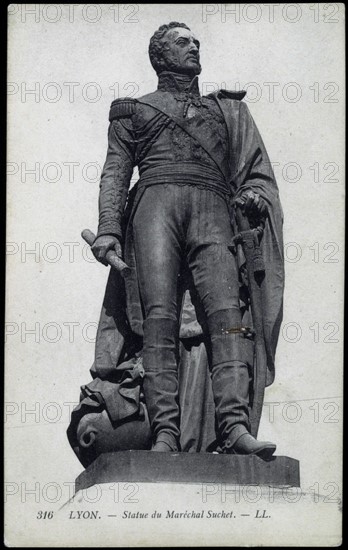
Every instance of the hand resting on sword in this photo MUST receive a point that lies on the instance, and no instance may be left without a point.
(252, 204)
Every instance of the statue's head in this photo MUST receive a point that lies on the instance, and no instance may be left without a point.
(175, 48)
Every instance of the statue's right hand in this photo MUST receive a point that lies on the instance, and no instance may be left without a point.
(103, 244)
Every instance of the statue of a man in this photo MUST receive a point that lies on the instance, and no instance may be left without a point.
(198, 157)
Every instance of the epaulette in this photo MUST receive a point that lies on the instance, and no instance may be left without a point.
(122, 107)
(239, 95)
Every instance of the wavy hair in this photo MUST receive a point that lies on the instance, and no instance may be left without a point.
(156, 45)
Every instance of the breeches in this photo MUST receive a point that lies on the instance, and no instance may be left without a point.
(172, 224)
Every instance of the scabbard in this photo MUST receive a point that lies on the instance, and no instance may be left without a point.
(256, 270)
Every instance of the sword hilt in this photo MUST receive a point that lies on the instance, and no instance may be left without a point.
(250, 239)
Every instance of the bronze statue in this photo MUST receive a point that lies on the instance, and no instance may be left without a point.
(201, 234)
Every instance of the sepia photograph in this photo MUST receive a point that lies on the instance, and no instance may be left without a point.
(174, 275)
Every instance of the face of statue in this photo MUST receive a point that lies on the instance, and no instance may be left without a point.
(181, 52)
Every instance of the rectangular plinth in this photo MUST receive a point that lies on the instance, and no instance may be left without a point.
(153, 467)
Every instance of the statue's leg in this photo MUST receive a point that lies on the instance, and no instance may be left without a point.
(215, 275)
(158, 256)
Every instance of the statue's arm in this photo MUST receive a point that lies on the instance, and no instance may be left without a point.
(116, 175)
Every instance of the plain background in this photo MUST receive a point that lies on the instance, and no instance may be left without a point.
(60, 288)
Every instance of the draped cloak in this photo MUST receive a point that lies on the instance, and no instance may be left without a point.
(116, 383)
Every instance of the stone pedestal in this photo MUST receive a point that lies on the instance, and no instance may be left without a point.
(229, 501)
(148, 466)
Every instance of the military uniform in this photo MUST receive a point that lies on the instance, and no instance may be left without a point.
(182, 146)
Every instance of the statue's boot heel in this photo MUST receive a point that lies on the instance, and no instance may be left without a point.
(246, 444)
(163, 447)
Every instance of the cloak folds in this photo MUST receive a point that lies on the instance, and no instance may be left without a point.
(119, 335)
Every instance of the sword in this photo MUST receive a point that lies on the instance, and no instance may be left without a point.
(111, 257)
(250, 240)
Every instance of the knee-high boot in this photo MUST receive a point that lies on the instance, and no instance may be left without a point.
(161, 380)
(232, 355)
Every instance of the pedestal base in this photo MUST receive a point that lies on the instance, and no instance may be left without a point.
(148, 466)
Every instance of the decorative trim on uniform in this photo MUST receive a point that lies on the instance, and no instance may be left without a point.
(122, 107)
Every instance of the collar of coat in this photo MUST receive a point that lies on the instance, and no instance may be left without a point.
(182, 83)
(178, 83)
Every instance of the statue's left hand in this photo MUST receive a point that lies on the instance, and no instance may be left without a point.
(252, 204)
